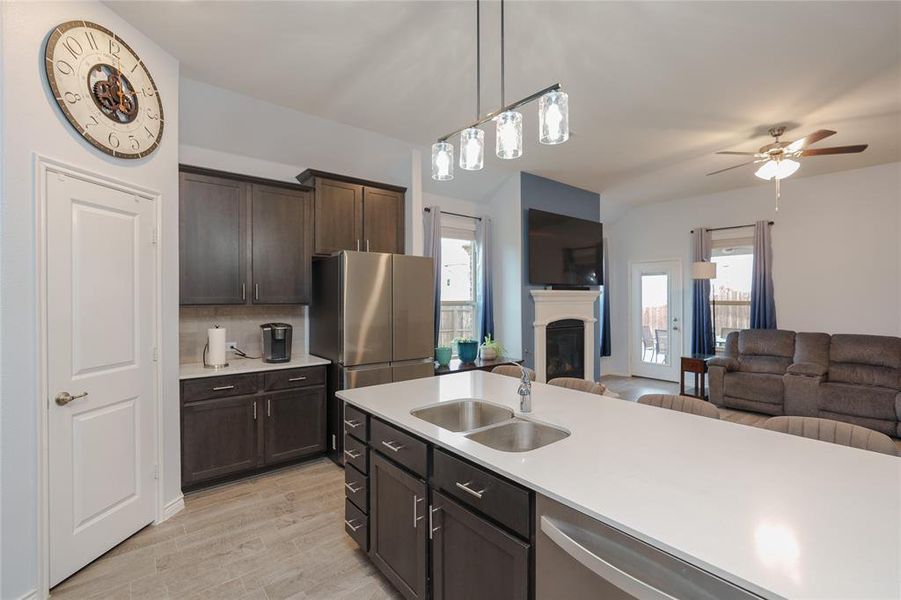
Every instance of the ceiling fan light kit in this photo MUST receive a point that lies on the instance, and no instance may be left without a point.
(777, 169)
(553, 122)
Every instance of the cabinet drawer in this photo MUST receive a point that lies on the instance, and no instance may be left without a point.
(218, 387)
(285, 379)
(399, 446)
(356, 488)
(356, 524)
(505, 502)
(356, 453)
(356, 423)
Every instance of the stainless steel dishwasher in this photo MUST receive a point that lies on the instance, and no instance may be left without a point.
(580, 558)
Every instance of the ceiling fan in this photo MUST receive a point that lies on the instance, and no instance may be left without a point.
(777, 157)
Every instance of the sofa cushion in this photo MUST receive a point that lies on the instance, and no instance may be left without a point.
(865, 375)
(863, 401)
(812, 348)
(767, 342)
(759, 387)
(874, 350)
(776, 365)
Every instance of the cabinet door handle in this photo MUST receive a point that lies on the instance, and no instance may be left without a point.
(220, 388)
(352, 423)
(351, 524)
(350, 488)
(358, 245)
(256, 291)
(352, 454)
(243, 292)
(302, 378)
(254, 410)
(465, 487)
(393, 446)
(268, 407)
(432, 528)
(416, 518)
(367, 245)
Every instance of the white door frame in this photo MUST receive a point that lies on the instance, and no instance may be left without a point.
(677, 351)
(43, 166)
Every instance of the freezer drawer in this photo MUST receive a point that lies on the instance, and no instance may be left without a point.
(580, 558)
(414, 369)
(357, 377)
(413, 307)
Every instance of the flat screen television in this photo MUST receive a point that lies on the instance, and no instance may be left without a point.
(564, 251)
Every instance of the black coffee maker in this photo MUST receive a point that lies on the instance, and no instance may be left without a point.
(276, 342)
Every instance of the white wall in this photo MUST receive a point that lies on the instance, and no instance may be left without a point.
(837, 258)
(32, 123)
(505, 210)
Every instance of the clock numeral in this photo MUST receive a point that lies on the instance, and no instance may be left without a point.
(72, 97)
(148, 92)
(149, 133)
(73, 46)
(64, 67)
(94, 123)
(150, 114)
(137, 64)
(114, 48)
(92, 41)
(113, 140)
(135, 143)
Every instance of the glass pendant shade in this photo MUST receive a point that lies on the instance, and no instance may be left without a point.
(509, 134)
(472, 149)
(442, 161)
(553, 118)
(781, 169)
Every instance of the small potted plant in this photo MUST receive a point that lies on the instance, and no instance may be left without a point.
(491, 349)
(467, 349)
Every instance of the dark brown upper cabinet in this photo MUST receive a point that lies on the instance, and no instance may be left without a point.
(212, 233)
(355, 214)
(281, 247)
(243, 240)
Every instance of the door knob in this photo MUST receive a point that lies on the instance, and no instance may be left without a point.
(63, 398)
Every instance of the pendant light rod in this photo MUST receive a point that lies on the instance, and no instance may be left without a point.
(511, 106)
(503, 82)
(478, 60)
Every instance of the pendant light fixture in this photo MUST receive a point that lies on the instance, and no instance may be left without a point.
(553, 120)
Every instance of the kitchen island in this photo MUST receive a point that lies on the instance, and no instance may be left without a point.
(775, 515)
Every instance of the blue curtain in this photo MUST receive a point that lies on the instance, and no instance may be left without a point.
(432, 248)
(702, 338)
(605, 303)
(484, 291)
(763, 303)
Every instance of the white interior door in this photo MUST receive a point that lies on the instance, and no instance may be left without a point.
(101, 296)
(656, 321)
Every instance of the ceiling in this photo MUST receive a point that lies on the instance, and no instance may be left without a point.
(655, 87)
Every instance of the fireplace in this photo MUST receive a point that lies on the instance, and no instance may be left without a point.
(566, 349)
(553, 306)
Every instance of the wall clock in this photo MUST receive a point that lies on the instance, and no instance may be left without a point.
(104, 89)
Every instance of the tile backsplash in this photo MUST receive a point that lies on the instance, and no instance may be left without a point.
(242, 324)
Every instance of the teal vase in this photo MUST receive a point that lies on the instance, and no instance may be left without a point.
(467, 351)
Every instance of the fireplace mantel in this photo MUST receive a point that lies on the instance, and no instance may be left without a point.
(556, 305)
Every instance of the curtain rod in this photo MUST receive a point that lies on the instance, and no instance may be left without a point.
(445, 212)
(735, 227)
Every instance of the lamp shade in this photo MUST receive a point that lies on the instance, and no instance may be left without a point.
(703, 270)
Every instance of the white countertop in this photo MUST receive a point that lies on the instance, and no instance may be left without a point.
(238, 365)
(779, 515)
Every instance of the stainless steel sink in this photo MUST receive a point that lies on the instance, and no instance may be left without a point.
(463, 415)
(518, 435)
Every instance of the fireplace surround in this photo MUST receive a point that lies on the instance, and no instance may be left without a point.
(552, 306)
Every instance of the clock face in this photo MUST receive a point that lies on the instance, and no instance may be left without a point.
(104, 89)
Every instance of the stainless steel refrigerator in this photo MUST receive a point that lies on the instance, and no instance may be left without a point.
(372, 315)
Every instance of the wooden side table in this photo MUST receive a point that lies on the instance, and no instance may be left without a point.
(696, 364)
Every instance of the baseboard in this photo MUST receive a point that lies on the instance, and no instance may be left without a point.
(32, 595)
(172, 508)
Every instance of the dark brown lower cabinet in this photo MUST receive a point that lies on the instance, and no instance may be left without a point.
(219, 437)
(473, 559)
(398, 526)
(294, 424)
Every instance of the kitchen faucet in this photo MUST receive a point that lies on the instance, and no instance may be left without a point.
(525, 390)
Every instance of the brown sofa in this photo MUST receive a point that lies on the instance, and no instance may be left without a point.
(850, 378)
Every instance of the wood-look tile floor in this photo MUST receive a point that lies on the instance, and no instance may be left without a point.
(272, 537)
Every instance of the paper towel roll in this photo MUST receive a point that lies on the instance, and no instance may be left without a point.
(216, 340)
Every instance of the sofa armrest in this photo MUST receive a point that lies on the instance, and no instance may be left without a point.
(807, 369)
(728, 363)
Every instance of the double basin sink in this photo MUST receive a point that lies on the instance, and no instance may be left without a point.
(491, 425)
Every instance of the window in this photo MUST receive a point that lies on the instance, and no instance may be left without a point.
(734, 258)
(458, 283)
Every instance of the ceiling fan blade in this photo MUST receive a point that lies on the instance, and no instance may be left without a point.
(735, 167)
(835, 150)
(738, 153)
(809, 139)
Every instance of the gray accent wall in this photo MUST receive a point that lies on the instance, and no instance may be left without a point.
(552, 196)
